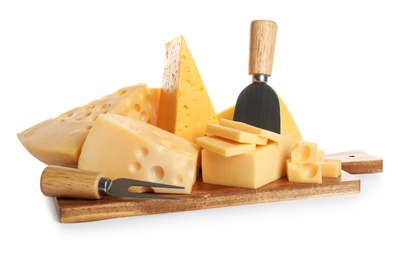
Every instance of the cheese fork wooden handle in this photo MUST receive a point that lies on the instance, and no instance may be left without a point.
(70, 182)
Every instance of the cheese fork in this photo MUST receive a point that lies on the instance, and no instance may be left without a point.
(66, 182)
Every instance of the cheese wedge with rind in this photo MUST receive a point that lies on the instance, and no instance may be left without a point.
(122, 147)
(58, 141)
(185, 106)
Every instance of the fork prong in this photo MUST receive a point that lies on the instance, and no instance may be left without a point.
(119, 188)
(125, 182)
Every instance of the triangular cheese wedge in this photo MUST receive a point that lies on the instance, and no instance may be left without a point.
(185, 108)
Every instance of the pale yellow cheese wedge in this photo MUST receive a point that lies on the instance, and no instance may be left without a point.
(58, 141)
(235, 134)
(304, 172)
(185, 107)
(122, 147)
(288, 124)
(224, 147)
(251, 129)
(251, 170)
(331, 168)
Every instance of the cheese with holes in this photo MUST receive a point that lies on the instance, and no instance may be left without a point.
(251, 170)
(122, 147)
(185, 107)
(224, 147)
(304, 172)
(235, 134)
(288, 124)
(304, 152)
(58, 141)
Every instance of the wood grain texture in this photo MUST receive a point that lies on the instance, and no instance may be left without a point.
(262, 47)
(357, 162)
(205, 196)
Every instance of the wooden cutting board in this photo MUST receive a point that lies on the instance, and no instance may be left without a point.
(206, 196)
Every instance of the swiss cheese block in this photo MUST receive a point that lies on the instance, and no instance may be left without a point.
(224, 147)
(252, 170)
(58, 141)
(122, 147)
(185, 107)
(235, 134)
(288, 124)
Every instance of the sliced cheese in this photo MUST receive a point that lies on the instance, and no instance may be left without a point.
(122, 147)
(235, 134)
(185, 107)
(251, 129)
(252, 170)
(288, 124)
(224, 147)
(58, 141)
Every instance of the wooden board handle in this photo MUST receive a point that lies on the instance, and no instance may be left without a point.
(59, 181)
(262, 47)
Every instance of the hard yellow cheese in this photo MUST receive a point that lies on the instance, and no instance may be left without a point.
(246, 169)
(251, 170)
(307, 164)
(224, 147)
(122, 147)
(185, 107)
(235, 134)
(58, 141)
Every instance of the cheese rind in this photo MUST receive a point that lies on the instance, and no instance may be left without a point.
(58, 141)
(251, 170)
(235, 134)
(185, 107)
(122, 147)
(224, 146)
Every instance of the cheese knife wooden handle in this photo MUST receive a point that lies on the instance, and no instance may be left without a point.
(70, 182)
(262, 47)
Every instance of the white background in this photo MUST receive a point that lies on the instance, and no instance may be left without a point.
(337, 67)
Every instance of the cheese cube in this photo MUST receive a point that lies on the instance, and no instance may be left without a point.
(320, 154)
(122, 147)
(58, 141)
(235, 134)
(223, 146)
(304, 172)
(331, 168)
(304, 152)
(252, 170)
(185, 107)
